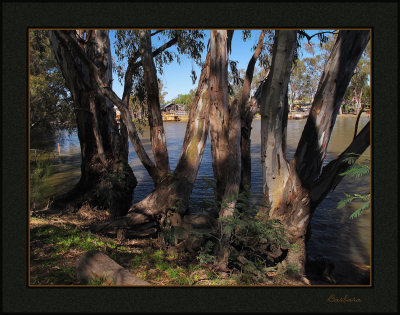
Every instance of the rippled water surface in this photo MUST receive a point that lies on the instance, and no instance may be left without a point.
(344, 241)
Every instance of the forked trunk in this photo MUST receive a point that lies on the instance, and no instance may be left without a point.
(169, 200)
(247, 111)
(314, 140)
(157, 134)
(98, 133)
(292, 190)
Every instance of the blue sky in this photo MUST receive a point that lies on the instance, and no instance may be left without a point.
(176, 77)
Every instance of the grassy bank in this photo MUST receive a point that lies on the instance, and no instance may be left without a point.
(57, 242)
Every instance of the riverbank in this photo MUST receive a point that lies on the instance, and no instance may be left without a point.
(58, 241)
(363, 115)
(343, 241)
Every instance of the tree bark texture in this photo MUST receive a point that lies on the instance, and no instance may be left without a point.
(275, 167)
(169, 201)
(157, 134)
(247, 110)
(219, 113)
(340, 66)
(97, 128)
(293, 190)
(93, 79)
(231, 193)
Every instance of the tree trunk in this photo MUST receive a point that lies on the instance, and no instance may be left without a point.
(170, 199)
(157, 134)
(275, 167)
(97, 128)
(231, 193)
(330, 176)
(219, 115)
(292, 189)
(247, 110)
(314, 140)
(162, 205)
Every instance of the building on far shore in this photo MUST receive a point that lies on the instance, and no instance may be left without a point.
(175, 112)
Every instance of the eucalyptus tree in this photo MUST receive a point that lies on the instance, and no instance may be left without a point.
(86, 74)
(106, 179)
(230, 130)
(293, 189)
(51, 108)
(358, 93)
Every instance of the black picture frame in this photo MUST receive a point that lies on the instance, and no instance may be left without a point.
(382, 17)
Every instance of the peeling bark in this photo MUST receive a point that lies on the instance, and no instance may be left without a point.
(338, 71)
(293, 190)
(157, 134)
(219, 114)
(286, 199)
(97, 128)
(247, 114)
(174, 191)
(233, 175)
(275, 167)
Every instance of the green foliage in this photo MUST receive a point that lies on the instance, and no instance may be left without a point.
(356, 170)
(186, 99)
(51, 106)
(206, 255)
(264, 60)
(188, 43)
(97, 281)
(248, 232)
(358, 92)
(40, 169)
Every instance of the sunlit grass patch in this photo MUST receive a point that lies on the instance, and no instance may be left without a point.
(56, 247)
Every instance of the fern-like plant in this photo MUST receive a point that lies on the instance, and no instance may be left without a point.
(356, 170)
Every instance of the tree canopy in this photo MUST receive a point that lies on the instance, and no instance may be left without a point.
(51, 106)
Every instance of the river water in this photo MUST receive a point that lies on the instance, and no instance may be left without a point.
(344, 241)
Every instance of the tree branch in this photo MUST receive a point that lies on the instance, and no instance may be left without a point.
(157, 134)
(313, 144)
(133, 64)
(330, 176)
(156, 32)
(250, 71)
(106, 91)
(316, 34)
(358, 119)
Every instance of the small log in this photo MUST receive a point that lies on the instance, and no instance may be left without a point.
(96, 265)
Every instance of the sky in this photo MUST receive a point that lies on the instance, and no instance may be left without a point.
(176, 77)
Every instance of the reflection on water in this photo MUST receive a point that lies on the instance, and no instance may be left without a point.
(344, 241)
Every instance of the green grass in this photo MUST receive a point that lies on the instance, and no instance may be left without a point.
(70, 237)
(41, 167)
(51, 243)
(55, 248)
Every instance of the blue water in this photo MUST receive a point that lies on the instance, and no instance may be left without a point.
(344, 241)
